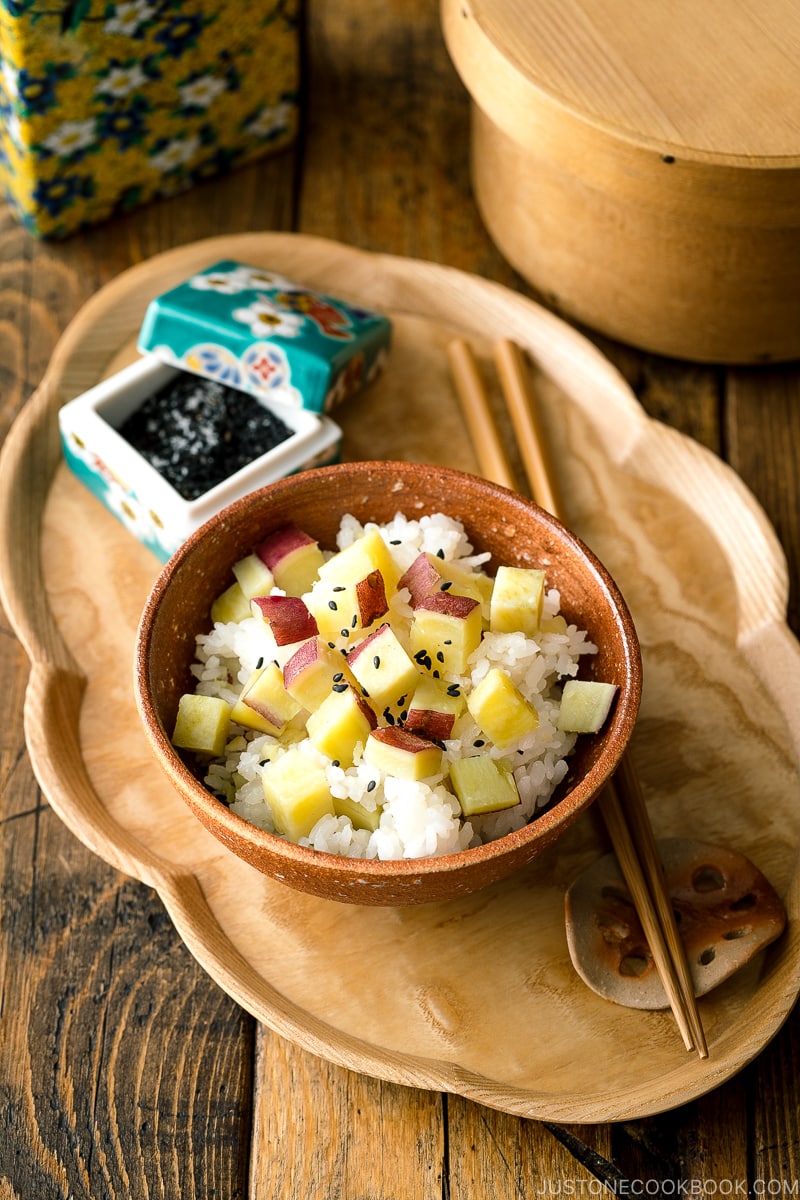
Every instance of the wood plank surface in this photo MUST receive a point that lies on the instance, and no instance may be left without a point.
(124, 1070)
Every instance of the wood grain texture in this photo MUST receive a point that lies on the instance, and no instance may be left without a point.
(746, 1129)
(664, 75)
(703, 638)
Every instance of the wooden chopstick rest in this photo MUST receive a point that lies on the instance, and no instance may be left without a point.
(727, 913)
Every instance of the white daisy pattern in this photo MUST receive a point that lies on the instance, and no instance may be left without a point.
(121, 81)
(270, 120)
(176, 154)
(127, 18)
(266, 319)
(255, 280)
(240, 279)
(201, 93)
(70, 137)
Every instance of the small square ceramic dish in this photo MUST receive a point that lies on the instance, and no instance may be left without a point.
(141, 496)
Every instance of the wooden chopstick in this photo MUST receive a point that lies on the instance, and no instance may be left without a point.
(543, 480)
(621, 803)
(478, 414)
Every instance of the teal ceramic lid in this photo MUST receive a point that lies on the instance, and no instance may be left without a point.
(259, 332)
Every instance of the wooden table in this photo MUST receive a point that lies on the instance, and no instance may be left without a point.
(125, 1071)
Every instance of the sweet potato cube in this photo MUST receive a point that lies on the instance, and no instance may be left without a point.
(516, 602)
(264, 703)
(368, 553)
(253, 576)
(361, 817)
(469, 583)
(341, 723)
(345, 610)
(296, 790)
(293, 557)
(556, 624)
(483, 785)
(202, 724)
(585, 704)
(434, 708)
(429, 574)
(230, 605)
(287, 616)
(384, 670)
(312, 672)
(445, 630)
(422, 578)
(396, 751)
(500, 710)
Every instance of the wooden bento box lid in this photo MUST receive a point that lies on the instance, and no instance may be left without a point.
(716, 80)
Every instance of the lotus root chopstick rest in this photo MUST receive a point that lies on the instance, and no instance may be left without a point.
(725, 908)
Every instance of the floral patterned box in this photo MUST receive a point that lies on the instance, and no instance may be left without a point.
(142, 496)
(106, 104)
(259, 332)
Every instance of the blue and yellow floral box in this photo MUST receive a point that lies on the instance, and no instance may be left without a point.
(105, 105)
(259, 332)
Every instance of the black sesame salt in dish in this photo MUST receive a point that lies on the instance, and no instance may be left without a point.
(197, 432)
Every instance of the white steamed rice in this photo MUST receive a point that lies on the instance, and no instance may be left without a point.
(419, 819)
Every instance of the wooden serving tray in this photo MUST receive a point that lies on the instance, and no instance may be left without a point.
(477, 996)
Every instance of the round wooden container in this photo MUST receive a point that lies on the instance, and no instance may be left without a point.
(640, 164)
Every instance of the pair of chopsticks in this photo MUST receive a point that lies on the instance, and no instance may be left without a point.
(621, 803)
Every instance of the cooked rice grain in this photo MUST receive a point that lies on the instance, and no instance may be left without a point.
(418, 819)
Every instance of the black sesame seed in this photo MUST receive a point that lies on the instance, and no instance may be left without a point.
(440, 553)
(395, 542)
(260, 663)
(447, 642)
(365, 693)
(332, 645)
(479, 742)
(420, 656)
(427, 661)
(340, 687)
(338, 677)
(338, 588)
(436, 675)
(372, 785)
(453, 690)
(439, 656)
(448, 583)
(335, 762)
(344, 632)
(401, 701)
(389, 717)
(197, 432)
(376, 661)
(333, 605)
(404, 715)
(354, 621)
